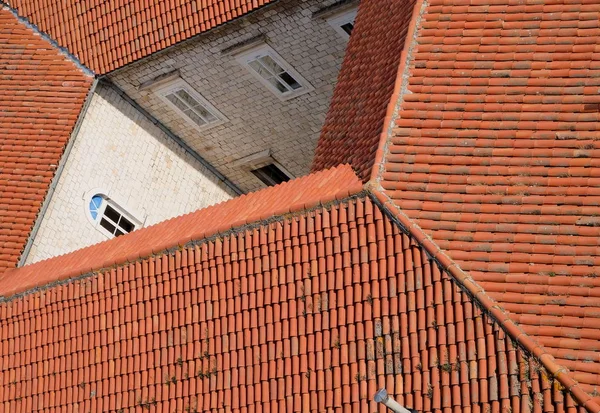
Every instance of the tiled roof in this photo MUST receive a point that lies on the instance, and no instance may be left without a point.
(41, 95)
(309, 296)
(495, 154)
(312, 311)
(357, 112)
(106, 35)
(289, 197)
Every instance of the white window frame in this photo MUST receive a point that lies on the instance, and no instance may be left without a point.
(338, 20)
(247, 56)
(258, 160)
(178, 84)
(275, 164)
(116, 206)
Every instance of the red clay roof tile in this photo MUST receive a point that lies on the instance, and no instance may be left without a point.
(494, 155)
(290, 197)
(41, 95)
(258, 320)
(107, 35)
(245, 319)
(357, 112)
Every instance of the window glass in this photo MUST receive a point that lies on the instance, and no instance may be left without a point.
(126, 225)
(347, 28)
(270, 175)
(110, 213)
(343, 23)
(95, 204)
(191, 108)
(291, 82)
(270, 64)
(110, 216)
(274, 73)
(190, 104)
(107, 225)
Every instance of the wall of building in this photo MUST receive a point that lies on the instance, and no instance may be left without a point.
(119, 152)
(257, 118)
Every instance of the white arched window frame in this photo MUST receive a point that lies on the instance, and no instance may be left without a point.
(109, 217)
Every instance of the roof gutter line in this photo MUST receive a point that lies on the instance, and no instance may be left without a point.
(190, 39)
(233, 187)
(57, 175)
(400, 88)
(488, 304)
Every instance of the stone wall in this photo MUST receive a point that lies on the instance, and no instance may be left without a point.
(257, 119)
(119, 152)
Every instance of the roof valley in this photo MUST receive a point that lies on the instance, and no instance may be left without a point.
(487, 304)
(492, 155)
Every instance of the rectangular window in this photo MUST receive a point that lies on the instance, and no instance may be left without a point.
(109, 217)
(270, 68)
(347, 28)
(115, 223)
(191, 107)
(187, 102)
(270, 175)
(343, 23)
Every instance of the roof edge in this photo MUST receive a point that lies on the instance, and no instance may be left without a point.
(108, 73)
(57, 175)
(62, 50)
(561, 373)
(400, 86)
(66, 268)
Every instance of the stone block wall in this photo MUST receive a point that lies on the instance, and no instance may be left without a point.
(119, 152)
(257, 118)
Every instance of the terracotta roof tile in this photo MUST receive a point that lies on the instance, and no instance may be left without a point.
(357, 112)
(315, 309)
(494, 154)
(288, 197)
(41, 95)
(108, 35)
(310, 312)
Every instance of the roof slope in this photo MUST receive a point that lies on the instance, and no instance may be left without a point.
(309, 312)
(106, 35)
(365, 84)
(41, 95)
(288, 197)
(495, 154)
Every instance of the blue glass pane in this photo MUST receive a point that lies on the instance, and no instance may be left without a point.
(96, 200)
(95, 204)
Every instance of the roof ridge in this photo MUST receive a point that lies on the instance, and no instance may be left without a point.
(62, 50)
(300, 194)
(400, 86)
(560, 372)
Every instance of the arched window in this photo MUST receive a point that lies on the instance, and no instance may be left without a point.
(110, 217)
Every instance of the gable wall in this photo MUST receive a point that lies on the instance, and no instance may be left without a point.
(120, 152)
(258, 119)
